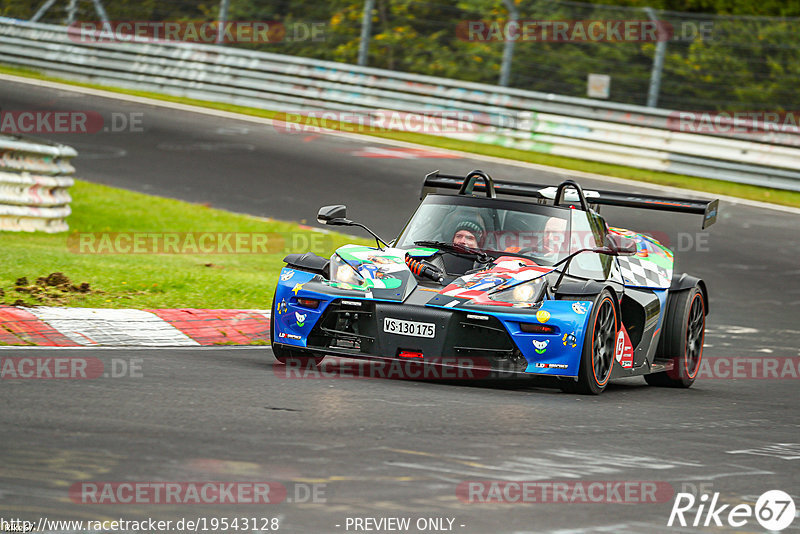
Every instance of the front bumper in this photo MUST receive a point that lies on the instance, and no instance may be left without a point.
(349, 324)
(355, 329)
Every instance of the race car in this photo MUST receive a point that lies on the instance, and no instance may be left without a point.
(515, 278)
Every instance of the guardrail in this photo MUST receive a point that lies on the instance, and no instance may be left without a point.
(575, 127)
(34, 178)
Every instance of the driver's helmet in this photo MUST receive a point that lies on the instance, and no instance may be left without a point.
(469, 231)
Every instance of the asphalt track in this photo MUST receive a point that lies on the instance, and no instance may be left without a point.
(394, 448)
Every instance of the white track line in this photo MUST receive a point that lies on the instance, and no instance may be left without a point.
(371, 139)
(109, 327)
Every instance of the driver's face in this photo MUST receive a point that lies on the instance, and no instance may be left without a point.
(553, 237)
(465, 238)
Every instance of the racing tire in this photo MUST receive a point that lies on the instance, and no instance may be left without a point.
(597, 358)
(295, 357)
(681, 343)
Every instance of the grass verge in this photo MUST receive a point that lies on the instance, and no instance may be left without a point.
(763, 194)
(185, 280)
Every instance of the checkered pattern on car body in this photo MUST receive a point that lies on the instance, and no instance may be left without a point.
(640, 272)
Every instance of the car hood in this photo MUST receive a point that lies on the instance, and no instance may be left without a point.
(387, 277)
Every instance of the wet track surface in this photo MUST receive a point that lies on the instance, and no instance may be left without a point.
(381, 447)
(393, 448)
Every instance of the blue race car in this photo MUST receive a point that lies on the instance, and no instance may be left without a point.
(508, 277)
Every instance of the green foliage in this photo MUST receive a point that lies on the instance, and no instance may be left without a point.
(748, 58)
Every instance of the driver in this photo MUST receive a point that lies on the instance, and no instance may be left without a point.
(469, 233)
(553, 237)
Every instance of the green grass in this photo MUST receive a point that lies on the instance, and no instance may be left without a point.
(148, 280)
(763, 194)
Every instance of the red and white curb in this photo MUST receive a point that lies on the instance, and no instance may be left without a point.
(81, 327)
(403, 153)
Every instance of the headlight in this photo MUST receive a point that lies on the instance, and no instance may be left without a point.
(528, 292)
(523, 293)
(343, 272)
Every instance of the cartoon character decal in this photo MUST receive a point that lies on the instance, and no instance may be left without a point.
(570, 340)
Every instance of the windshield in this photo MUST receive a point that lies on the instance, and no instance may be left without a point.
(534, 231)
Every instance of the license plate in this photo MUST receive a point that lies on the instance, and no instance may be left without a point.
(408, 328)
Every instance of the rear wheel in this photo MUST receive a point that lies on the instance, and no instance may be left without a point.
(286, 356)
(597, 358)
(681, 344)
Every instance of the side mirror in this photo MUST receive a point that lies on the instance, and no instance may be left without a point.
(337, 216)
(334, 215)
(621, 245)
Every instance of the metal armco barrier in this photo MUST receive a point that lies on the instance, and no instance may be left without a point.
(636, 136)
(34, 177)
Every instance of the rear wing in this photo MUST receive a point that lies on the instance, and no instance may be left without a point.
(567, 192)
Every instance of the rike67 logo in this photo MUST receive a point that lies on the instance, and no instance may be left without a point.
(774, 510)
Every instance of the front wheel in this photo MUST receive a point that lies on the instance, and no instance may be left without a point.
(597, 358)
(682, 340)
(286, 356)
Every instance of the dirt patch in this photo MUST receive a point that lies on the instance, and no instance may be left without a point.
(53, 289)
